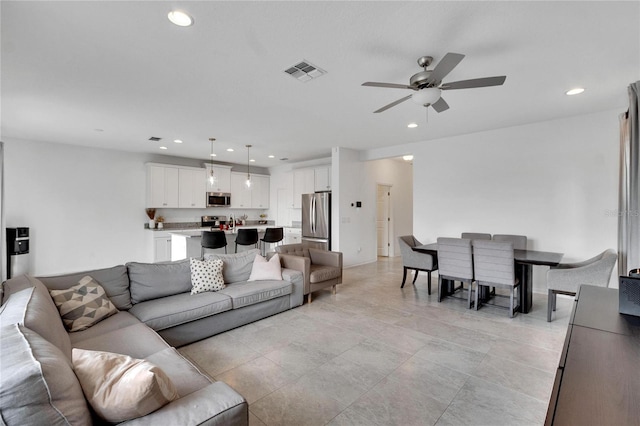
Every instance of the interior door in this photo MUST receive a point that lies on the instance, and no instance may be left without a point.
(383, 218)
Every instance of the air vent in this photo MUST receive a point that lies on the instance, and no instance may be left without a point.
(154, 138)
(305, 71)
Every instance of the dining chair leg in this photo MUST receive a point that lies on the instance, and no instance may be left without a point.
(415, 277)
(404, 276)
(477, 299)
(429, 283)
(469, 295)
(549, 304)
(555, 300)
(511, 302)
(439, 288)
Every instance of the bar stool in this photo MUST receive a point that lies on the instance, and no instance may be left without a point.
(247, 237)
(271, 235)
(213, 240)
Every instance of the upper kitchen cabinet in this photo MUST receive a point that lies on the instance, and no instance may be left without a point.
(193, 185)
(303, 183)
(256, 197)
(322, 177)
(309, 180)
(222, 178)
(260, 192)
(162, 186)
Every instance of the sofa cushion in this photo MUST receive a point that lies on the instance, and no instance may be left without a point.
(137, 341)
(33, 307)
(83, 305)
(237, 266)
(155, 280)
(114, 280)
(206, 275)
(37, 383)
(119, 387)
(320, 273)
(120, 320)
(266, 270)
(249, 293)
(180, 308)
(185, 376)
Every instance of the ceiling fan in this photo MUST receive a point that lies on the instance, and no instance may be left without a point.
(428, 85)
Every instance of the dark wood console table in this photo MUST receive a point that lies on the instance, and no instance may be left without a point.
(598, 379)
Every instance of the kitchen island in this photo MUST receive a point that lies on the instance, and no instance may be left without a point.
(186, 243)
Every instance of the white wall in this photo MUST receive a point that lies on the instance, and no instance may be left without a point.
(357, 181)
(552, 181)
(85, 206)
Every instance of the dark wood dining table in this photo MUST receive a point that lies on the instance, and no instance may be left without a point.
(524, 259)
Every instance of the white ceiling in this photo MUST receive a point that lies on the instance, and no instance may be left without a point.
(69, 68)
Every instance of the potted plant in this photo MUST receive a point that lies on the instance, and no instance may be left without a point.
(160, 221)
(151, 213)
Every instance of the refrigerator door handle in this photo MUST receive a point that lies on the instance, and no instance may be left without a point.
(313, 213)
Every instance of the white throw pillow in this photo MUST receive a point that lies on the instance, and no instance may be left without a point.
(206, 275)
(263, 270)
(119, 387)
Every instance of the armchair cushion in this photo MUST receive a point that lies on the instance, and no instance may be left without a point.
(320, 273)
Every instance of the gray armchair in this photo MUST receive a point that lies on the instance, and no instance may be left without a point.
(566, 278)
(320, 268)
(414, 260)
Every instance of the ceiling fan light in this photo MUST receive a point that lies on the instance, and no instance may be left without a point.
(426, 96)
(180, 18)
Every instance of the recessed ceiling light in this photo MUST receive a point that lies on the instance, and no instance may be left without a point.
(177, 141)
(407, 157)
(163, 147)
(272, 156)
(412, 125)
(180, 18)
(229, 149)
(575, 91)
(213, 155)
(252, 160)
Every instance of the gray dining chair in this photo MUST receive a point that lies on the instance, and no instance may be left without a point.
(475, 236)
(455, 263)
(566, 278)
(415, 261)
(519, 241)
(494, 266)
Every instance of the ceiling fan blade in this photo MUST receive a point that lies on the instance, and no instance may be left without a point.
(387, 85)
(444, 67)
(392, 104)
(476, 82)
(440, 105)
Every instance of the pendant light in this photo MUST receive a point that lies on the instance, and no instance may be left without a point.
(248, 182)
(212, 177)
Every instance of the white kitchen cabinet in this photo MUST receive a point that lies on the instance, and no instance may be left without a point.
(161, 246)
(162, 186)
(256, 197)
(292, 235)
(222, 178)
(193, 187)
(260, 192)
(322, 178)
(240, 195)
(303, 183)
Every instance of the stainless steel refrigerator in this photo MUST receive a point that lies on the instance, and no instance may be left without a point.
(316, 219)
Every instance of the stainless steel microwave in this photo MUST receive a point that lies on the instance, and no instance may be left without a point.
(218, 199)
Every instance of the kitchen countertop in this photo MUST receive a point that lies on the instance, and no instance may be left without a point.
(197, 233)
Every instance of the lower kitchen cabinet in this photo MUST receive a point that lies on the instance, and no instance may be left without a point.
(292, 235)
(161, 246)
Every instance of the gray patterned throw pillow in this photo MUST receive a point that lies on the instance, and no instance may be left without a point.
(206, 275)
(83, 305)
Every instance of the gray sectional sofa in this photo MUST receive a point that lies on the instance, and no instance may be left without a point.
(156, 314)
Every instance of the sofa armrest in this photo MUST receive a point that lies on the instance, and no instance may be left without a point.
(296, 278)
(325, 257)
(215, 404)
(298, 263)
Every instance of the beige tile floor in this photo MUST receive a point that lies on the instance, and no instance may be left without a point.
(376, 354)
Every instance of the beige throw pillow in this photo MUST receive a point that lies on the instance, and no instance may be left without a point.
(263, 270)
(83, 305)
(119, 387)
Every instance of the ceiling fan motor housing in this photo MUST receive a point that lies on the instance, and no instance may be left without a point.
(419, 80)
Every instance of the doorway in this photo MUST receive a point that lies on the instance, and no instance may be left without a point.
(383, 220)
